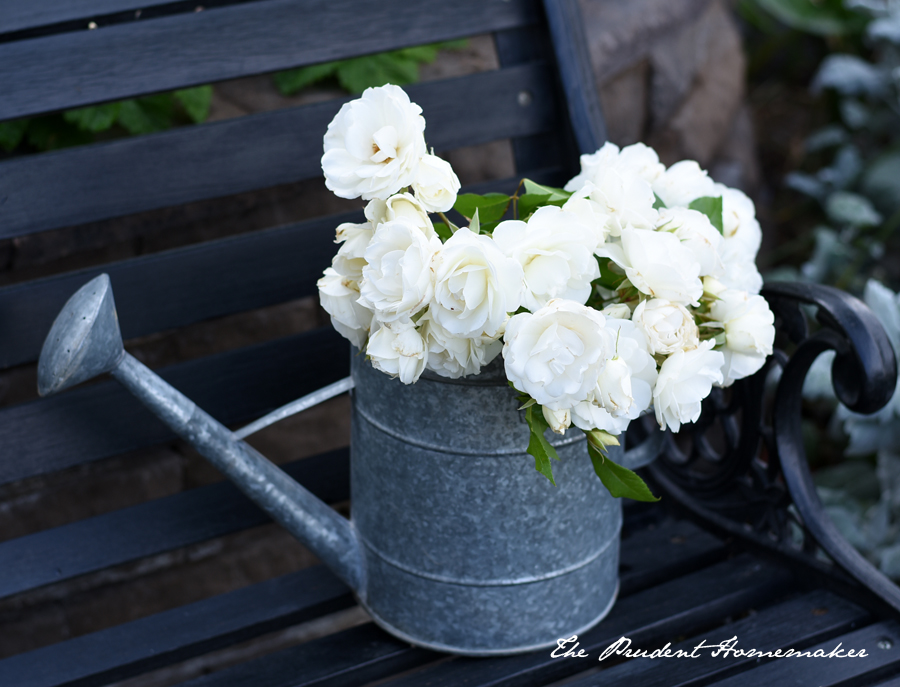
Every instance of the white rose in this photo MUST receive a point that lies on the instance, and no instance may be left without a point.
(683, 182)
(555, 355)
(739, 221)
(374, 144)
(740, 271)
(476, 285)
(339, 296)
(685, 379)
(695, 231)
(636, 159)
(657, 264)
(669, 327)
(749, 333)
(436, 184)
(398, 349)
(399, 205)
(618, 311)
(613, 201)
(354, 237)
(397, 279)
(454, 356)
(559, 420)
(556, 252)
(624, 388)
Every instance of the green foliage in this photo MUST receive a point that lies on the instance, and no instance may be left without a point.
(538, 446)
(490, 208)
(12, 133)
(620, 481)
(711, 206)
(609, 279)
(821, 17)
(355, 75)
(196, 102)
(537, 195)
(443, 231)
(658, 204)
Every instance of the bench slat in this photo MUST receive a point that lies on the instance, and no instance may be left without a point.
(795, 624)
(40, 192)
(122, 651)
(682, 605)
(103, 419)
(188, 49)
(182, 633)
(182, 286)
(33, 14)
(151, 528)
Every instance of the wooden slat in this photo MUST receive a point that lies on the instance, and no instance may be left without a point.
(685, 604)
(19, 16)
(175, 288)
(879, 662)
(179, 634)
(126, 535)
(46, 191)
(126, 649)
(101, 420)
(125, 60)
(795, 624)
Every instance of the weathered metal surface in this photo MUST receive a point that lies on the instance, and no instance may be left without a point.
(468, 549)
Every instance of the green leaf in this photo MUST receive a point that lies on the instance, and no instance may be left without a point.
(823, 17)
(491, 206)
(475, 223)
(12, 132)
(528, 203)
(93, 119)
(658, 204)
(196, 102)
(293, 80)
(53, 131)
(608, 278)
(711, 206)
(538, 446)
(360, 73)
(421, 53)
(557, 195)
(146, 115)
(443, 231)
(621, 482)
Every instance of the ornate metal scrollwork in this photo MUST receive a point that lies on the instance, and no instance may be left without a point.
(742, 468)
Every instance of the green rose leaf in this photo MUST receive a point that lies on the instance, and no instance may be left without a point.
(557, 196)
(711, 206)
(443, 231)
(196, 102)
(621, 482)
(658, 204)
(94, 119)
(491, 206)
(11, 133)
(538, 446)
(293, 80)
(475, 224)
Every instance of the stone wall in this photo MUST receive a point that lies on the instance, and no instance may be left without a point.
(669, 72)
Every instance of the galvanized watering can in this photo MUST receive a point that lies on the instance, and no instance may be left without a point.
(455, 542)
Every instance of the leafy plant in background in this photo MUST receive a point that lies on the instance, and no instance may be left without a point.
(191, 105)
(857, 190)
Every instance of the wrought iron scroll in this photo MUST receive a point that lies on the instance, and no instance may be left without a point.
(742, 468)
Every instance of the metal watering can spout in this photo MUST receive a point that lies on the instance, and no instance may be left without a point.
(85, 341)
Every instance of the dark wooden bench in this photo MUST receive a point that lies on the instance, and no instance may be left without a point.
(679, 582)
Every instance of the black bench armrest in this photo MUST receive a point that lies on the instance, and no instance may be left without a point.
(741, 470)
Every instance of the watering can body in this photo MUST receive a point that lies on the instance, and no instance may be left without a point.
(455, 542)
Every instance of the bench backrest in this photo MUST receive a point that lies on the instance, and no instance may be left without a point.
(54, 62)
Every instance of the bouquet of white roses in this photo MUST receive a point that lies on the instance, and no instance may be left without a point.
(633, 287)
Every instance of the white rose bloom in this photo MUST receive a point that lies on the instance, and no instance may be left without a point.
(685, 379)
(436, 184)
(740, 270)
(354, 237)
(749, 333)
(374, 144)
(683, 182)
(669, 327)
(555, 355)
(400, 205)
(454, 356)
(556, 252)
(339, 296)
(636, 159)
(398, 349)
(619, 311)
(697, 233)
(476, 286)
(397, 279)
(559, 420)
(657, 264)
(739, 221)
(624, 388)
(614, 200)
